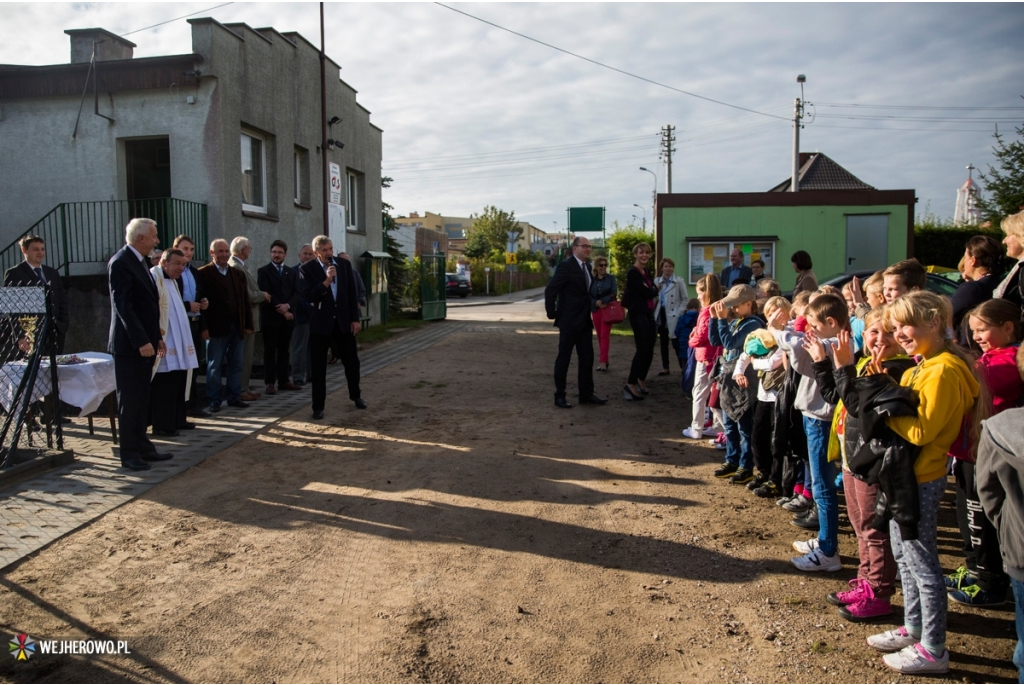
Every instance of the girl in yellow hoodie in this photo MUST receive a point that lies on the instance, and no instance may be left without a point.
(946, 389)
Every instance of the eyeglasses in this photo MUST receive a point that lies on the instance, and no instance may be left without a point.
(585, 245)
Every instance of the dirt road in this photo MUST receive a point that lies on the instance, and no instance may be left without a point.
(461, 529)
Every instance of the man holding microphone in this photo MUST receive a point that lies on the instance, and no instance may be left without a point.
(334, 320)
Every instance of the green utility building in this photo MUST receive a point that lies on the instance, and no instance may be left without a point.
(843, 223)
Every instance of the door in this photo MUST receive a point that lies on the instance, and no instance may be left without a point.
(867, 242)
(433, 288)
(149, 182)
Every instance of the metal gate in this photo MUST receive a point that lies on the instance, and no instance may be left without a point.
(433, 293)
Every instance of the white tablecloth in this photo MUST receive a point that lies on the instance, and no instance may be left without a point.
(81, 385)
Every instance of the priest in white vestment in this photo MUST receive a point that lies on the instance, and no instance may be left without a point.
(173, 371)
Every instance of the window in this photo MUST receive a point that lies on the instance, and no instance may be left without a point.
(354, 208)
(254, 177)
(300, 177)
(711, 256)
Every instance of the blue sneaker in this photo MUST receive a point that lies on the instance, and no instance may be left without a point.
(959, 579)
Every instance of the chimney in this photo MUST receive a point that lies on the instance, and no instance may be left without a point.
(108, 45)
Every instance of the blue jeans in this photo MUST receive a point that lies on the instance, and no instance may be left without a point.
(224, 358)
(1018, 653)
(737, 440)
(823, 477)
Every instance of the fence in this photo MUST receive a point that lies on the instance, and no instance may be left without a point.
(91, 232)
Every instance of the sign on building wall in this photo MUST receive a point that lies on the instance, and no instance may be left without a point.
(336, 226)
(335, 184)
(712, 256)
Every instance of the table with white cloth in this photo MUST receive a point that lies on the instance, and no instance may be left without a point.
(84, 385)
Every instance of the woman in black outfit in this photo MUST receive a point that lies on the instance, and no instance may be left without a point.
(639, 300)
(982, 260)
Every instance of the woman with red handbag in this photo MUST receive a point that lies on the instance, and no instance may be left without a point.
(605, 308)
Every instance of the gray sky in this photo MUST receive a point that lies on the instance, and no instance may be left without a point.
(473, 115)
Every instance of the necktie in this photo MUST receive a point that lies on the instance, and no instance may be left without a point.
(280, 271)
(586, 273)
(39, 274)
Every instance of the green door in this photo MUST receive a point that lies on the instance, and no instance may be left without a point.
(433, 293)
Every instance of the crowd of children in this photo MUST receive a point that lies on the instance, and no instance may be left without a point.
(865, 390)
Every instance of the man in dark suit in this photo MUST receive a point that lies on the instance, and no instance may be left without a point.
(737, 272)
(327, 285)
(134, 340)
(226, 322)
(32, 271)
(567, 301)
(278, 316)
(195, 302)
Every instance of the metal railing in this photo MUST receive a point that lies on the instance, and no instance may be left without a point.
(91, 232)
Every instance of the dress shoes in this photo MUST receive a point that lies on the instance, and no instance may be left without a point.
(271, 390)
(238, 403)
(134, 463)
(166, 434)
(291, 386)
(199, 414)
(593, 399)
(318, 414)
(562, 403)
(360, 403)
(213, 408)
(157, 456)
(249, 396)
(187, 426)
(629, 396)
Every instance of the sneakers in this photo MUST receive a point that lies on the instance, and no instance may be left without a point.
(870, 608)
(816, 560)
(808, 546)
(756, 482)
(710, 432)
(915, 659)
(719, 442)
(768, 489)
(798, 504)
(892, 640)
(857, 585)
(691, 434)
(726, 470)
(742, 477)
(808, 520)
(959, 579)
(974, 596)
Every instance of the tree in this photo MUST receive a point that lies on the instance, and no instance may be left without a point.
(399, 269)
(490, 231)
(1005, 184)
(620, 249)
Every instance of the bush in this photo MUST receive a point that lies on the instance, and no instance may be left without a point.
(620, 250)
(943, 244)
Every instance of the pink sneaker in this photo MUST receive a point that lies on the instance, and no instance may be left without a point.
(860, 588)
(868, 609)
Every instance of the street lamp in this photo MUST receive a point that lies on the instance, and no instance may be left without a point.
(644, 210)
(654, 196)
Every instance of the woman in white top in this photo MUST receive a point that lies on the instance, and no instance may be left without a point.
(670, 305)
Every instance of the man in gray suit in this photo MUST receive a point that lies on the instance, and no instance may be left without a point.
(241, 248)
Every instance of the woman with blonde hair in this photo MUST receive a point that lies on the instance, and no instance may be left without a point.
(1012, 287)
(639, 300)
(603, 290)
(672, 298)
(709, 291)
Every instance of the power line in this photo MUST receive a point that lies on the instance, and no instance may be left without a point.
(184, 16)
(928, 107)
(524, 150)
(889, 117)
(606, 66)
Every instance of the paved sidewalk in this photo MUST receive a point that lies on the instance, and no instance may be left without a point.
(37, 511)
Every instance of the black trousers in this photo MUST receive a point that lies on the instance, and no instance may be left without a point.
(132, 374)
(761, 441)
(643, 336)
(167, 400)
(342, 342)
(277, 358)
(981, 540)
(582, 341)
(664, 338)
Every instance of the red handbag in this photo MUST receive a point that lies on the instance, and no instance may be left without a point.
(614, 313)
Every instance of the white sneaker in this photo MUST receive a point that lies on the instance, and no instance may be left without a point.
(691, 434)
(806, 546)
(798, 504)
(892, 640)
(816, 560)
(782, 501)
(711, 432)
(915, 659)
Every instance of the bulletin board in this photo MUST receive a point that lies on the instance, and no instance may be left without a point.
(712, 256)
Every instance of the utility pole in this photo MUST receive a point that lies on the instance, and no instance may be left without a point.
(325, 169)
(667, 138)
(798, 113)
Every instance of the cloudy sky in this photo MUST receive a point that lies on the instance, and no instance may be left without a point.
(902, 95)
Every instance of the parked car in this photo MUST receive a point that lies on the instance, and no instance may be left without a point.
(934, 282)
(457, 284)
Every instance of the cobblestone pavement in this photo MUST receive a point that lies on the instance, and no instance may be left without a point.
(37, 511)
